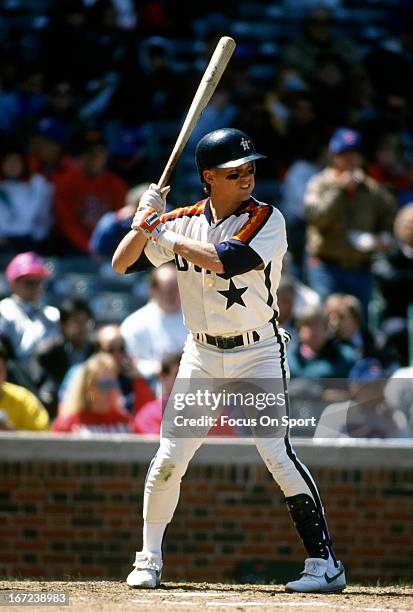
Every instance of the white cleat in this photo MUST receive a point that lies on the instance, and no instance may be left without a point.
(319, 577)
(147, 571)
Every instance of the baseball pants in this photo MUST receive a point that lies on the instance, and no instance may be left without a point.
(262, 360)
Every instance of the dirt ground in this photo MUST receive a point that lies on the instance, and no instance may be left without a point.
(112, 596)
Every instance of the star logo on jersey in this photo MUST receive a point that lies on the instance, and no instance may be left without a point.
(245, 144)
(233, 295)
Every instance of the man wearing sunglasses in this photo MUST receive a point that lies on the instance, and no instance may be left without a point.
(228, 250)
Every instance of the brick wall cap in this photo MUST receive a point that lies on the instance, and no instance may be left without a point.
(121, 448)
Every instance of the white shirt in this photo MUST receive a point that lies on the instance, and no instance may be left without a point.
(26, 324)
(295, 183)
(150, 334)
(26, 208)
(227, 306)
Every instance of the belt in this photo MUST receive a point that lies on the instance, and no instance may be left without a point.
(231, 342)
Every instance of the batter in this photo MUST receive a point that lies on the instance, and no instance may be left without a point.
(228, 251)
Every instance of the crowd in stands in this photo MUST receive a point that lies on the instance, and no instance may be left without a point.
(91, 99)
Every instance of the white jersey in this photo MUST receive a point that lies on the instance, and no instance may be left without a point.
(227, 304)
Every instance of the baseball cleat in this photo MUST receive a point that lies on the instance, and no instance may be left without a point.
(316, 578)
(147, 571)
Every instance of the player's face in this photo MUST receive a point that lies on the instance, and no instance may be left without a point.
(235, 183)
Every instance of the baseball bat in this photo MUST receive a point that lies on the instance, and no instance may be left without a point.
(206, 88)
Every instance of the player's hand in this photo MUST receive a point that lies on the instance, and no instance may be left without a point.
(154, 197)
(148, 222)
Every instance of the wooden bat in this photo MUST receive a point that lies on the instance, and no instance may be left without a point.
(206, 88)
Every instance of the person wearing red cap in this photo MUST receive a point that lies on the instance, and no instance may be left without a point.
(24, 319)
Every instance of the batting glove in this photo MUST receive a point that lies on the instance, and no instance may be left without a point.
(154, 197)
(148, 222)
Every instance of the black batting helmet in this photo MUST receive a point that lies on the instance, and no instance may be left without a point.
(224, 148)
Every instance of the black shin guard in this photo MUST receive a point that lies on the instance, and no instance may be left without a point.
(311, 526)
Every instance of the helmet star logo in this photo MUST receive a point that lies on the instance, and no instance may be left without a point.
(245, 144)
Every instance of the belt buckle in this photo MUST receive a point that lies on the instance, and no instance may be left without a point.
(227, 342)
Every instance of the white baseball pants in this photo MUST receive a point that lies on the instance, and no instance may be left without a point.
(264, 359)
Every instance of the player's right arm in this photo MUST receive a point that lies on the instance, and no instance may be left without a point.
(132, 245)
(128, 251)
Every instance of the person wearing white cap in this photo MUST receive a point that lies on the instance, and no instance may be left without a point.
(24, 319)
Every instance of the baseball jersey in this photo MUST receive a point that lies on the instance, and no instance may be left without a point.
(251, 243)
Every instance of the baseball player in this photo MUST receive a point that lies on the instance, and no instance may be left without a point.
(228, 250)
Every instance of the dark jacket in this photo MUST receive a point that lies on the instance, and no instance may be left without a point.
(394, 277)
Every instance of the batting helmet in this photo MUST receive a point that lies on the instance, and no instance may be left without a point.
(225, 148)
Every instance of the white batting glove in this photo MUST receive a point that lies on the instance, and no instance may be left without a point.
(154, 197)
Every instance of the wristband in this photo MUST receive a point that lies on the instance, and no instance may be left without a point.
(167, 239)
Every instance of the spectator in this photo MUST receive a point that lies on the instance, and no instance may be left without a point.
(93, 401)
(157, 329)
(349, 219)
(389, 167)
(316, 39)
(24, 319)
(305, 297)
(304, 134)
(166, 89)
(254, 116)
(84, 195)
(19, 408)
(56, 355)
(128, 155)
(149, 418)
(23, 101)
(113, 226)
(333, 91)
(25, 204)
(65, 44)
(317, 354)
(366, 414)
(288, 88)
(47, 155)
(308, 163)
(135, 390)
(393, 273)
(286, 296)
(17, 373)
(62, 103)
(390, 65)
(345, 319)
(399, 392)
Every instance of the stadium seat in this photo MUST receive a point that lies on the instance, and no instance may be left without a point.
(74, 285)
(111, 307)
(4, 286)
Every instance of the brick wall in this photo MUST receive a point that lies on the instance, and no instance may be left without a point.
(62, 513)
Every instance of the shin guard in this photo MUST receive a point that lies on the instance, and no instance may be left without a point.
(311, 525)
